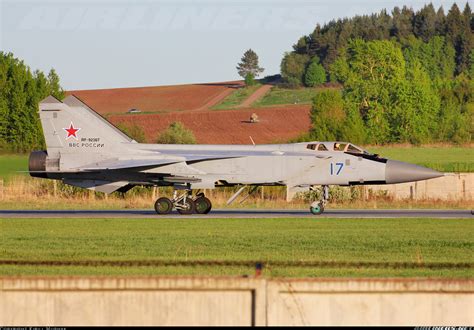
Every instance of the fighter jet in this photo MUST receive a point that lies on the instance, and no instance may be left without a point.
(85, 150)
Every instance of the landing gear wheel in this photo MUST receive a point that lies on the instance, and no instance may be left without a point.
(188, 207)
(163, 205)
(203, 205)
(316, 208)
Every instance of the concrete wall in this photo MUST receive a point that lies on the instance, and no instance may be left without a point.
(234, 301)
(453, 186)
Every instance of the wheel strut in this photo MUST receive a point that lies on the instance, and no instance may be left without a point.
(184, 203)
(317, 207)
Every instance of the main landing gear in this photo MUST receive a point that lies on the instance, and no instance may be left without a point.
(184, 203)
(317, 207)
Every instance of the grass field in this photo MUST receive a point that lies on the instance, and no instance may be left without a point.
(357, 240)
(278, 96)
(236, 98)
(11, 164)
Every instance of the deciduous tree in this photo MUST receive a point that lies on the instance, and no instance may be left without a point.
(20, 93)
(293, 67)
(315, 74)
(327, 116)
(176, 133)
(134, 131)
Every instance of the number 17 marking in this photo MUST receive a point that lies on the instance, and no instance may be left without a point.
(338, 170)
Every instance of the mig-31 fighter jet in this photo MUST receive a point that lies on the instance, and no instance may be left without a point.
(85, 150)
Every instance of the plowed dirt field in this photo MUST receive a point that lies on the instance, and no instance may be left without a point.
(276, 124)
(156, 99)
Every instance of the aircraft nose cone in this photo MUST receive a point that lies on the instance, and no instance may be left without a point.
(397, 172)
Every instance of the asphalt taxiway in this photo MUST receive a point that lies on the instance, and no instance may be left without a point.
(239, 213)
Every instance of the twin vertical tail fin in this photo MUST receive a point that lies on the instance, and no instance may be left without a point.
(75, 136)
(71, 127)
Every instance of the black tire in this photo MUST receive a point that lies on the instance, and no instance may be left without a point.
(316, 210)
(203, 205)
(163, 205)
(210, 206)
(190, 207)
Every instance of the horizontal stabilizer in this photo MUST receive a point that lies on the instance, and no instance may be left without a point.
(98, 185)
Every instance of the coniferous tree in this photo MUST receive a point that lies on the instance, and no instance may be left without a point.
(440, 22)
(454, 29)
(301, 47)
(327, 41)
(467, 15)
(466, 40)
(402, 23)
(454, 23)
(424, 23)
(249, 65)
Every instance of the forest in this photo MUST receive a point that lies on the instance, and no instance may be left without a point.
(20, 92)
(406, 76)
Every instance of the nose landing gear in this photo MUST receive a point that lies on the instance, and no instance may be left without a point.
(184, 203)
(317, 207)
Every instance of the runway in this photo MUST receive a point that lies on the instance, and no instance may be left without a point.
(238, 213)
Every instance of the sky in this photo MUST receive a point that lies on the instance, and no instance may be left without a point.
(95, 44)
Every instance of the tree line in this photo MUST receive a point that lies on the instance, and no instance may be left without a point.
(20, 92)
(406, 77)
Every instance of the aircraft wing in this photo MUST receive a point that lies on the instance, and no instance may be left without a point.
(122, 164)
(203, 155)
(178, 156)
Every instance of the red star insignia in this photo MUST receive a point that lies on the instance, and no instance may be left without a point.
(71, 131)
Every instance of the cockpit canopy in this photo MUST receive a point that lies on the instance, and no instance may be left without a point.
(317, 146)
(336, 146)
